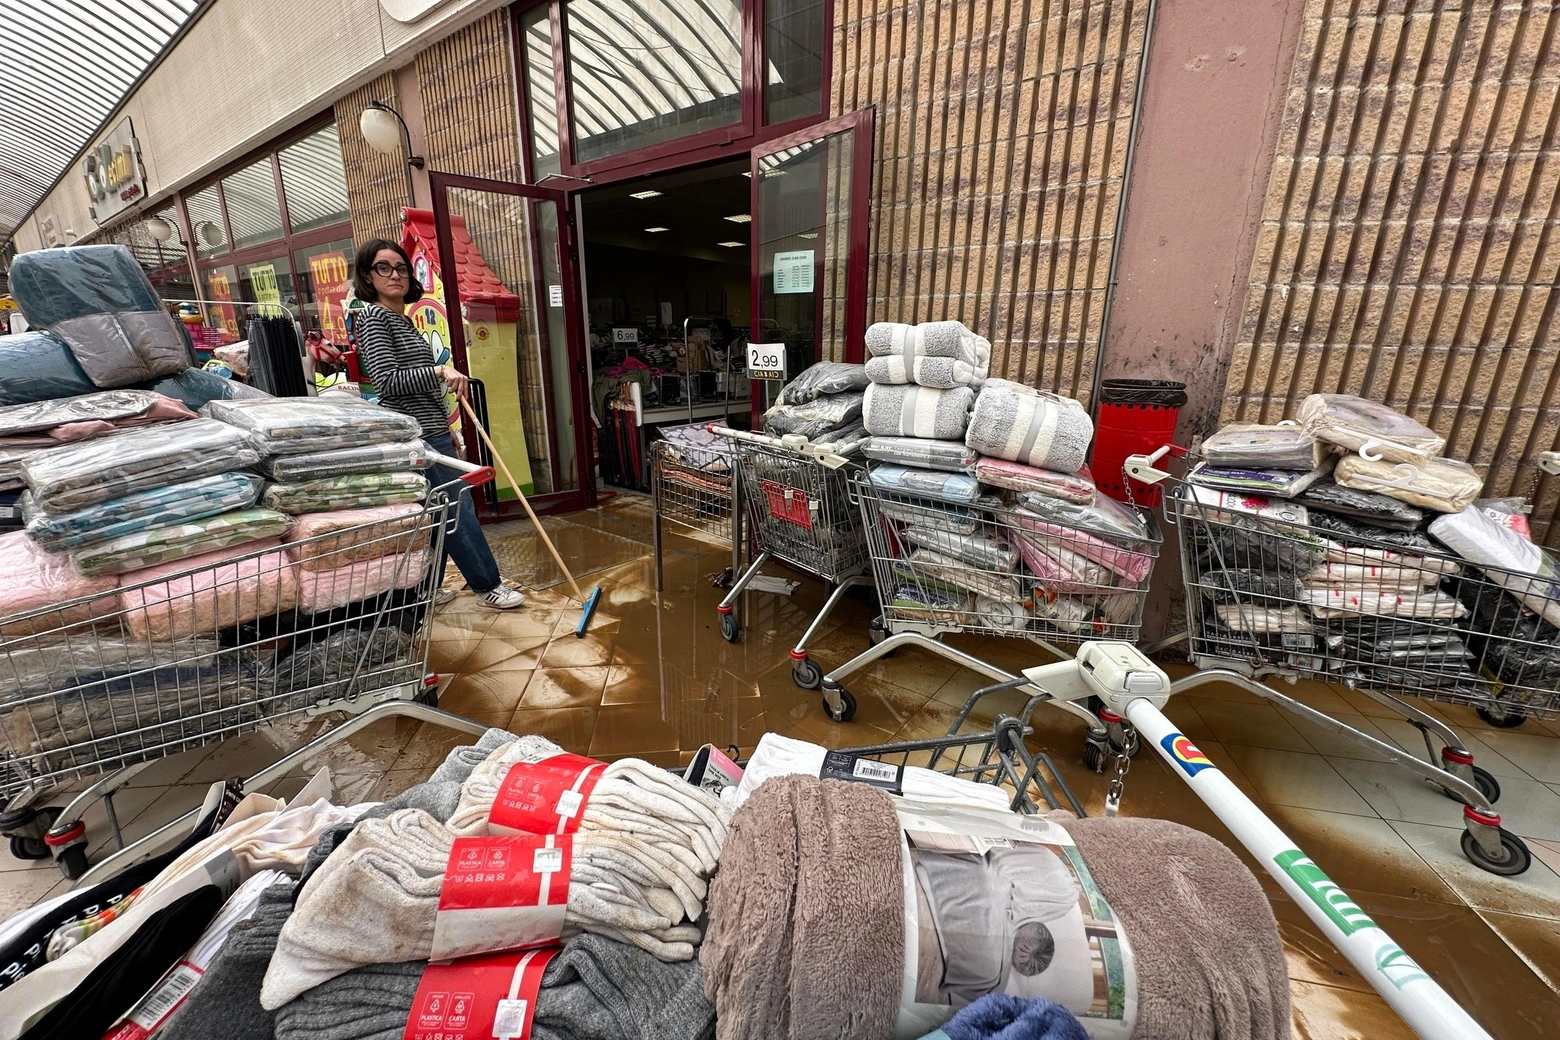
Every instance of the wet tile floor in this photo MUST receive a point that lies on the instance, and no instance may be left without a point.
(656, 680)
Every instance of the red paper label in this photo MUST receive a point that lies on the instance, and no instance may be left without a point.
(546, 797)
(478, 998)
(502, 893)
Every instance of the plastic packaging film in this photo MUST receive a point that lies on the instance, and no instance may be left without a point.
(354, 491)
(307, 425)
(370, 458)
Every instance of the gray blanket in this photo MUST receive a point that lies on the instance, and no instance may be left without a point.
(1021, 424)
(918, 411)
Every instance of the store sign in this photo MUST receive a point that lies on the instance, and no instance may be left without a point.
(766, 361)
(330, 271)
(794, 272)
(262, 279)
(222, 289)
(112, 170)
(49, 231)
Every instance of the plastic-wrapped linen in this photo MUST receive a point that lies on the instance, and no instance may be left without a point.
(303, 425)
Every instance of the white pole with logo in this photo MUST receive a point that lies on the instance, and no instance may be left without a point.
(1416, 997)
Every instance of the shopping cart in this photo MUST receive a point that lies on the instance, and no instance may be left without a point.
(798, 504)
(1271, 591)
(694, 486)
(996, 569)
(334, 623)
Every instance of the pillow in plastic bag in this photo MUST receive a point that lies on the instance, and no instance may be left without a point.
(301, 425)
(1355, 423)
(38, 366)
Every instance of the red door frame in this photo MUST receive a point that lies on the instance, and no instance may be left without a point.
(861, 124)
(584, 496)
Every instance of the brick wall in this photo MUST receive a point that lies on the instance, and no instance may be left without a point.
(376, 183)
(1408, 249)
(1002, 134)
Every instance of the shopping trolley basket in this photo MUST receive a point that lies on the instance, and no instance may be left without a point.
(694, 485)
(1056, 574)
(334, 622)
(798, 505)
(1273, 589)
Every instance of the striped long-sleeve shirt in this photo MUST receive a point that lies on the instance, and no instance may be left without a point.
(399, 362)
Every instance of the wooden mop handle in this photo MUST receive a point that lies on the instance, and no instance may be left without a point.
(503, 468)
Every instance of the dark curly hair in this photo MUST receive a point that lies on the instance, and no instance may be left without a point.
(363, 272)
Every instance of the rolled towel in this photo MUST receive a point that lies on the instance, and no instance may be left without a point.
(1205, 945)
(918, 411)
(778, 756)
(595, 989)
(1021, 424)
(943, 373)
(946, 339)
(790, 951)
(375, 899)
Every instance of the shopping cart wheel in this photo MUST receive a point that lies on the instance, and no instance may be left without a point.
(847, 709)
(730, 630)
(1096, 754)
(1516, 857)
(73, 861)
(29, 848)
(1485, 781)
(806, 673)
(1501, 720)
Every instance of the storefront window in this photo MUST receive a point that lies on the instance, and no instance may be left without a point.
(794, 39)
(222, 285)
(314, 181)
(205, 212)
(267, 282)
(536, 32)
(651, 72)
(324, 280)
(254, 213)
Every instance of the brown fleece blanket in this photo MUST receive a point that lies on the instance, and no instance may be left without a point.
(810, 866)
(1209, 960)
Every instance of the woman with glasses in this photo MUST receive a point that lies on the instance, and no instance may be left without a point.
(398, 361)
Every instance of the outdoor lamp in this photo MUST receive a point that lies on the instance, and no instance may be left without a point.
(382, 127)
(159, 229)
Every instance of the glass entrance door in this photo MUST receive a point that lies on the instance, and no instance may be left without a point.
(810, 210)
(505, 261)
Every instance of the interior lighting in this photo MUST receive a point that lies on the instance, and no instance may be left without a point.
(741, 218)
(656, 230)
(732, 245)
(648, 194)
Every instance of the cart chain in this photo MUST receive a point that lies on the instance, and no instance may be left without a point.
(1123, 762)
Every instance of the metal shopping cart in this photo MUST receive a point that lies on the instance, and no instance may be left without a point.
(694, 485)
(798, 504)
(996, 569)
(333, 623)
(1274, 591)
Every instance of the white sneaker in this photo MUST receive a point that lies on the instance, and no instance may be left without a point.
(444, 597)
(504, 598)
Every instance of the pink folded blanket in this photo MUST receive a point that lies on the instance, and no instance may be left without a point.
(35, 579)
(206, 594)
(350, 535)
(1063, 572)
(1015, 476)
(327, 590)
(1131, 565)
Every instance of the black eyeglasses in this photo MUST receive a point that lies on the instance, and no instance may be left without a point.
(385, 269)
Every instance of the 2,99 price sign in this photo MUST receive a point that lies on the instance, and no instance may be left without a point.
(766, 361)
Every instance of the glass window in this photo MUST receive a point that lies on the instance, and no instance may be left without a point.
(205, 212)
(794, 39)
(254, 213)
(222, 285)
(269, 281)
(652, 71)
(324, 280)
(314, 181)
(536, 31)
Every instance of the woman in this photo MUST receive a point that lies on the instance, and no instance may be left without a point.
(397, 360)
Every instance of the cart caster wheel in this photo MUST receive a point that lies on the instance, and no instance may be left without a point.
(806, 674)
(73, 861)
(29, 848)
(730, 630)
(428, 697)
(1506, 720)
(1095, 756)
(1516, 860)
(1486, 783)
(847, 707)
(1134, 744)
(876, 633)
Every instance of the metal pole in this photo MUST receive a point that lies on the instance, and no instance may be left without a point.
(1403, 984)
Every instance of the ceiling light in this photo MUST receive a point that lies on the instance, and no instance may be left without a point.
(652, 194)
(654, 230)
(748, 174)
(732, 245)
(741, 218)
(808, 234)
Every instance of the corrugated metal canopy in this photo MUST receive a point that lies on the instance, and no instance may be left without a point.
(67, 65)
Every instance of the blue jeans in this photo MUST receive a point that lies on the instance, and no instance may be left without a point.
(466, 545)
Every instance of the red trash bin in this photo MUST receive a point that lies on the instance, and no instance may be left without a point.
(1136, 416)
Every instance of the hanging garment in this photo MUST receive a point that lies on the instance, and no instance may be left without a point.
(276, 357)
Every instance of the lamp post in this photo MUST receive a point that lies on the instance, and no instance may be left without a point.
(383, 129)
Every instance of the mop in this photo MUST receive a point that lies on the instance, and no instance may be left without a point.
(587, 602)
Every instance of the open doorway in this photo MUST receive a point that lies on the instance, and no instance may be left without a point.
(666, 269)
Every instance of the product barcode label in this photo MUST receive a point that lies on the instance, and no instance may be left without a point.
(167, 996)
(569, 803)
(838, 765)
(547, 861)
(509, 1020)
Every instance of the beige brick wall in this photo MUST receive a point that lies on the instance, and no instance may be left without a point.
(1002, 134)
(1409, 245)
(376, 183)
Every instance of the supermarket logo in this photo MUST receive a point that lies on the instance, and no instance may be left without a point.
(1399, 968)
(1325, 893)
(1186, 754)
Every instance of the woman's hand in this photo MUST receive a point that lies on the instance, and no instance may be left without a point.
(454, 379)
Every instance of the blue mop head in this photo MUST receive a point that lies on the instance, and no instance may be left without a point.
(585, 615)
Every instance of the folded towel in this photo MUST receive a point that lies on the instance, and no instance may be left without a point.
(943, 373)
(917, 411)
(1021, 424)
(946, 339)
(904, 482)
(1077, 488)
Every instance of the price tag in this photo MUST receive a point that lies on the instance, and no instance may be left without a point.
(478, 998)
(502, 893)
(546, 797)
(766, 361)
(837, 765)
(625, 335)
